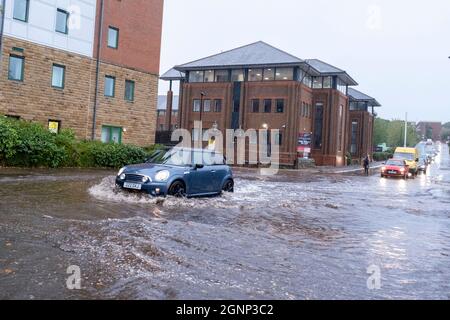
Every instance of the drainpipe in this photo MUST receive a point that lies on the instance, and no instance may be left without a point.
(97, 68)
(2, 22)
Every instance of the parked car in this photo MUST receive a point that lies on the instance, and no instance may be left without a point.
(180, 172)
(395, 168)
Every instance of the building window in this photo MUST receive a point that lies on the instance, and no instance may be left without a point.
(340, 126)
(110, 86)
(111, 134)
(207, 105)
(279, 138)
(218, 105)
(267, 106)
(16, 68)
(341, 86)
(54, 126)
(255, 105)
(237, 75)
(62, 19)
(280, 105)
(353, 147)
(284, 74)
(255, 74)
(58, 76)
(161, 113)
(21, 9)
(113, 37)
(307, 81)
(318, 125)
(317, 82)
(196, 76)
(327, 82)
(222, 76)
(209, 76)
(129, 90)
(196, 105)
(269, 74)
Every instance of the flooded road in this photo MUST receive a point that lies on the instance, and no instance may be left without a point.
(297, 235)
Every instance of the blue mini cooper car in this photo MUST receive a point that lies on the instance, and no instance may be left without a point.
(181, 173)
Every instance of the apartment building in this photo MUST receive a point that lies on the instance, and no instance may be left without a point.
(258, 86)
(88, 65)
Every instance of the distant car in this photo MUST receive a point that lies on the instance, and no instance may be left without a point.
(395, 168)
(423, 165)
(181, 173)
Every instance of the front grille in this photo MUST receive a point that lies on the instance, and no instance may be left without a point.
(133, 177)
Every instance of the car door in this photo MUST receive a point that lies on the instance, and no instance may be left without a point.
(201, 175)
(201, 180)
(219, 173)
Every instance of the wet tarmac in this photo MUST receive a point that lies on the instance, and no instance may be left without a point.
(297, 235)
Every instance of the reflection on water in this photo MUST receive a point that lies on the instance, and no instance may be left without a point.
(293, 236)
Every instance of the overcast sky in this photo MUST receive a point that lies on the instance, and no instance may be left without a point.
(397, 50)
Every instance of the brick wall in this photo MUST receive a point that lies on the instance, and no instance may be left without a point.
(36, 100)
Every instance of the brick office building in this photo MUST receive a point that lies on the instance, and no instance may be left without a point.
(259, 86)
(430, 130)
(162, 118)
(88, 65)
(361, 125)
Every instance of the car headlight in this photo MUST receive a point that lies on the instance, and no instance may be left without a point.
(122, 176)
(121, 171)
(145, 179)
(162, 175)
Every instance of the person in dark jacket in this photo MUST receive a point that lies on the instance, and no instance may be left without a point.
(366, 165)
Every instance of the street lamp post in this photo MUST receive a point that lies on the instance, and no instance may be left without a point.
(202, 95)
(200, 134)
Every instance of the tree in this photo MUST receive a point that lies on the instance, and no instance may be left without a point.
(392, 132)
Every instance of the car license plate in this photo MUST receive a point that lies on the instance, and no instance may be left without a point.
(392, 172)
(134, 186)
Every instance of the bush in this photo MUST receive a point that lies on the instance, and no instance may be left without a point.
(25, 144)
(382, 156)
(8, 139)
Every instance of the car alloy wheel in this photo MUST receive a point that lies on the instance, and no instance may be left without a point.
(177, 189)
(228, 186)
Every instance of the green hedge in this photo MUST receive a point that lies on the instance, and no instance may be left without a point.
(382, 156)
(25, 144)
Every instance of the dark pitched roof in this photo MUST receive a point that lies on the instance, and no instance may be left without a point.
(162, 102)
(255, 54)
(327, 69)
(172, 74)
(356, 95)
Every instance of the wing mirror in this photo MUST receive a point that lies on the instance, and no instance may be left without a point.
(198, 166)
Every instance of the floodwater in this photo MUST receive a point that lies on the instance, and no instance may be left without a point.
(297, 235)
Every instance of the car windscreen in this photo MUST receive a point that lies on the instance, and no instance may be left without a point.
(404, 155)
(398, 163)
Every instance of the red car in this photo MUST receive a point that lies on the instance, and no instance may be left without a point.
(395, 168)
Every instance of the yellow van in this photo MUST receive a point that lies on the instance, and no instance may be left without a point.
(411, 156)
